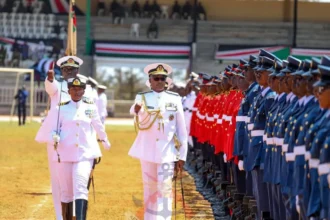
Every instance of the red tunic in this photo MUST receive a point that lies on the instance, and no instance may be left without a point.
(232, 126)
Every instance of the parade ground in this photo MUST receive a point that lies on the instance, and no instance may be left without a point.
(25, 182)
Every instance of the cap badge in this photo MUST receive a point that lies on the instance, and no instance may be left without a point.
(76, 82)
(70, 60)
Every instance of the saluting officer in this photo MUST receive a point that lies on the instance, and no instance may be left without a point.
(77, 148)
(161, 142)
(58, 92)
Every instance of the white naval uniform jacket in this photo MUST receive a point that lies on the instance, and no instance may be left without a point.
(58, 93)
(102, 105)
(157, 145)
(77, 122)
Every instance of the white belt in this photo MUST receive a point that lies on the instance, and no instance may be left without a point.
(289, 157)
(279, 141)
(219, 121)
(323, 169)
(194, 109)
(224, 117)
(215, 116)
(270, 141)
(307, 155)
(275, 139)
(313, 163)
(250, 126)
(240, 118)
(299, 150)
(285, 147)
(257, 133)
(247, 119)
(264, 137)
(200, 116)
(209, 118)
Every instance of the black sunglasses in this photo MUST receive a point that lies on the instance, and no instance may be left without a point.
(159, 78)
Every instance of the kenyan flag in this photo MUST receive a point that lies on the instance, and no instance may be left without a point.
(72, 32)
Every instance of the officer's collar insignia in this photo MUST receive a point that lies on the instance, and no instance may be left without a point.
(76, 82)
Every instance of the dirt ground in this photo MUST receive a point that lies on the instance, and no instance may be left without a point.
(25, 183)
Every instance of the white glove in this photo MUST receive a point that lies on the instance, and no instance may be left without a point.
(106, 144)
(241, 165)
(297, 204)
(56, 138)
(225, 158)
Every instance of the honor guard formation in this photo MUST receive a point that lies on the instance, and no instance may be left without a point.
(259, 138)
(255, 138)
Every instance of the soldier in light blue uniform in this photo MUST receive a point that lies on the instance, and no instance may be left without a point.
(284, 106)
(311, 119)
(250, 94)
(260, 109)
(270, 155)
(267, 66)
(293, 106)
(312, 152)
(321, 143)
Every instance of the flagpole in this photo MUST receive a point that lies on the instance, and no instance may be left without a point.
(88, 28)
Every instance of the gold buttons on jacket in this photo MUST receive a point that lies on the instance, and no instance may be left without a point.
(77, 124)
(157, 139)
(77, 135)
(77, 145)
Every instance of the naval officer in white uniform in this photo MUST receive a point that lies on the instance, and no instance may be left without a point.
(77, 148)
(102, 102)
(58, 92)
(161, 142)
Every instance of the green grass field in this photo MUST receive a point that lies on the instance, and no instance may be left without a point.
(25, 183)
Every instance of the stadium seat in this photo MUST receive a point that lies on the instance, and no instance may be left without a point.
(135, 29)
(164, 9)
(15, 6)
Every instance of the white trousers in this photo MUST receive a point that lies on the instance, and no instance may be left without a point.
(73, 178)
(56, 193)
(157, 186)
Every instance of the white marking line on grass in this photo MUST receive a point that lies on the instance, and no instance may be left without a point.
(38, 207)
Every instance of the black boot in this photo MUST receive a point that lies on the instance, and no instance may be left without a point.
(65, 210)
(69, 214)
(81, 209)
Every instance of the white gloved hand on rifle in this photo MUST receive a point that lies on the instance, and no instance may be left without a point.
(241, 165)
(225, 158)
(56, 138)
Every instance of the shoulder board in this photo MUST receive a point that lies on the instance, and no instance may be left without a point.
(172, 93)
(141, 93)
(87, 100)
(255, 88)
(271, 95)
(64, 103)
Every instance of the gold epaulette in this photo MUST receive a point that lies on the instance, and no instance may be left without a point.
(87, 100)
(64, 103)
